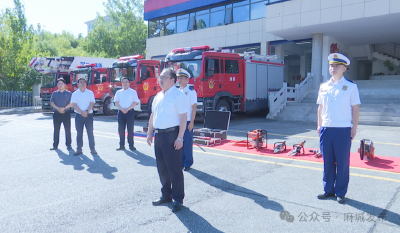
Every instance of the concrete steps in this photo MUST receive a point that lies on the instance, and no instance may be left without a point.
(380, 104)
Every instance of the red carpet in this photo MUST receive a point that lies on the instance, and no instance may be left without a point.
(383, 163)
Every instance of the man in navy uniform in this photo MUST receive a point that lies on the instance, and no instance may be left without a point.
(338, 114)
(168, 121)
(125, 100)
(61, 102)
(187, 152)
(83, 101)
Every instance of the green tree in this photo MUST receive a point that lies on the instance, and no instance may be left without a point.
(16, 43)
(125, 33)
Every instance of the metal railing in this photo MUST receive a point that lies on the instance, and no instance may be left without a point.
(16, 98)
(277, 100)
(390, 49)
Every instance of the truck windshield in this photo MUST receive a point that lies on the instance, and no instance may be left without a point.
(118, 73)
(49, 80)
(84, 73)
(193, 66)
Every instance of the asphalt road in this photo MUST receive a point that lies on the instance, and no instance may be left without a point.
(54, 191)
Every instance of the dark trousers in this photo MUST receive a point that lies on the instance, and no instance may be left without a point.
(64, 118)
(126, 121)
(187, 152)
(335, 144)
(80, 122)
(169, 165)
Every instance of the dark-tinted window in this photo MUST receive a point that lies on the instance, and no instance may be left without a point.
(228, 16)
(231, 66)
(192, 24)
(216, 63)
(66, 77)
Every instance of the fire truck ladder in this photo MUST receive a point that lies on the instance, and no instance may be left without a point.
(209, 104)
(236, 104)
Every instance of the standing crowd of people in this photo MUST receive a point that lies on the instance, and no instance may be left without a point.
(172, 119)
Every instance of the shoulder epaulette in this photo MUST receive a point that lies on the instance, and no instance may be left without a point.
(350, 81)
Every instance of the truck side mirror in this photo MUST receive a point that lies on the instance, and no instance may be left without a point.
(143, 73)
(210, 67)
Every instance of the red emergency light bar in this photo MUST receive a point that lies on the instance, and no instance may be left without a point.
(131, 57)
(189, 49)
(87, 65)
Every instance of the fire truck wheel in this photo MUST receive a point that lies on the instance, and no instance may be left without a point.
(106, 107)
(222, 105)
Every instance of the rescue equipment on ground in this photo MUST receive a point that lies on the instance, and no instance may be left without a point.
(366, 149)
(317, 153)
(256, 139)
(297, 149)
(279, 147)
(207, 141)
(216, 124)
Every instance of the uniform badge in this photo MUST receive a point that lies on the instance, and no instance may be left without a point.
(186, 92)
(344, 88)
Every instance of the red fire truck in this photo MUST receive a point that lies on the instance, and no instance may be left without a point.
(143, 76)
(227, 81)
(60, 67)
(98, 82)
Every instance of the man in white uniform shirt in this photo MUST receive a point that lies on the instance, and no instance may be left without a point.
(83, 101)
(187, 152)
(338, 114)
(125, 100)
(168, 121)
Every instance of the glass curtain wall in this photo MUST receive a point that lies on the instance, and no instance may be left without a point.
(213, 16)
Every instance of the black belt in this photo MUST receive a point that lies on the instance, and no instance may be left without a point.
(167, 130)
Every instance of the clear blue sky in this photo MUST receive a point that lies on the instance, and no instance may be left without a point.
(56, 16)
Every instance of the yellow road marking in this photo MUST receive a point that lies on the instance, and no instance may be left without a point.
(264, 161)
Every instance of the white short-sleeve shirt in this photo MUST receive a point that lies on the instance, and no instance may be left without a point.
(83, 99)
(126, 97)
(167, 106)
(337, 100)
(192, 99)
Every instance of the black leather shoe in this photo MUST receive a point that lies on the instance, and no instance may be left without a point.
(177, 206)
(54, 148)
(69, 147)
(132, 148)
(162, 200)
(325, 195)
(341, 200)
(187, 168)
(93, 152)
(121, 148)
(78, 152)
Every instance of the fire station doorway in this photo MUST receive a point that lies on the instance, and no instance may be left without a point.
(297, 56)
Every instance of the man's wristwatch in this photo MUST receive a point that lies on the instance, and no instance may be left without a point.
(180, 139)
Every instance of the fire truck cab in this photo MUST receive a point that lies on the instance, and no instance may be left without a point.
(143, 76)
(227, 81)
(98, 82)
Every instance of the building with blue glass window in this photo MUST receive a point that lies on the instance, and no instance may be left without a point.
(302, 32)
